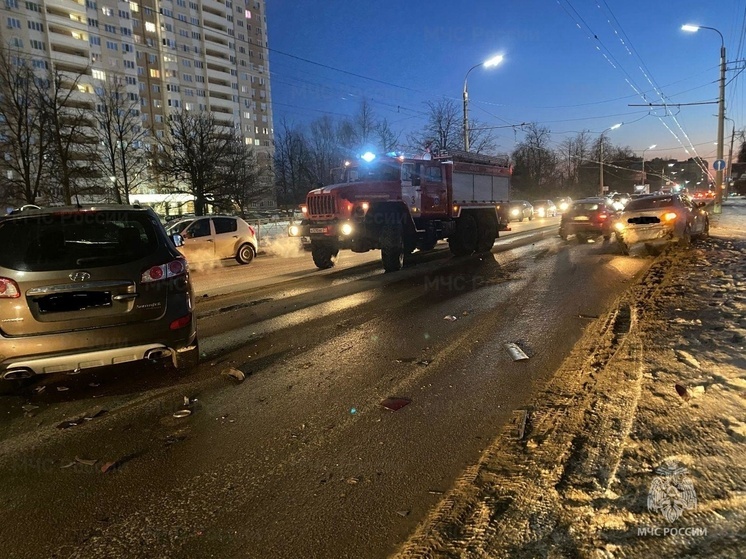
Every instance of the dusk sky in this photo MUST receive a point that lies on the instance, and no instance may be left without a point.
(554, 73)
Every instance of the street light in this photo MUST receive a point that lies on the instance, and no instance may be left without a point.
(601, 166)
(643, 161)
(718, 207)
(494, 61)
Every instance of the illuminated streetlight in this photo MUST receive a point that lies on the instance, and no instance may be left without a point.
(601, 166)
(494, 61)
(717, 208)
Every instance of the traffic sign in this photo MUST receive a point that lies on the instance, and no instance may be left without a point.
(719, 165)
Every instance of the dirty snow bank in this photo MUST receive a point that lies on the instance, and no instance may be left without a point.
(636, 446)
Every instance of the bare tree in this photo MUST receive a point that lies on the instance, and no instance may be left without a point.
(69, 120)
(24, 134)
(572, 153)
(481, 138)
(191, 156)
(120, 154)
(388, 140)
(293, 176)
(246, 179)
(365, 125)
(443, 130)
(326, 153)
(535, 163)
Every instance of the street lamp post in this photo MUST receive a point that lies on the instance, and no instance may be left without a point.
(643, 161)
(718, 207)
(494, 61)
(601, 166)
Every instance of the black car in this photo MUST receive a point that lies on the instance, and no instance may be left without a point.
(520, 210)
(589, 217)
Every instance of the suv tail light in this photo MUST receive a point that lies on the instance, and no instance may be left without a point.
(9, 289)
(173, 269)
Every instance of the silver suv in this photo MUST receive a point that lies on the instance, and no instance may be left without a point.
(84, 287)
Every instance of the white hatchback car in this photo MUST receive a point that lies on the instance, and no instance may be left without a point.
(216, 237)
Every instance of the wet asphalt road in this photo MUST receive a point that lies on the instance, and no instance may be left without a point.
(300, 459)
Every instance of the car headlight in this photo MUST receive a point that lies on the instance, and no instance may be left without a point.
(563, 206)
(346, 229)
(514, 212)
(669, 216)
(294, 231)
(619, 226)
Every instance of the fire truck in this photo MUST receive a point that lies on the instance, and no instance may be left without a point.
(400, 204)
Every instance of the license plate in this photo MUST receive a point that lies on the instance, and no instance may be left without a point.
(321, 230)
(581, 218)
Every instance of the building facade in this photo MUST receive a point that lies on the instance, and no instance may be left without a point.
(200, 55)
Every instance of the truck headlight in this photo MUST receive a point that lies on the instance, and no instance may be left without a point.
(346, 229)
(294, 231)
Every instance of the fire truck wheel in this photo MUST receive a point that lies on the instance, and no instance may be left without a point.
(464, 241)
(324, 255)
(487, 232)
(392, 248)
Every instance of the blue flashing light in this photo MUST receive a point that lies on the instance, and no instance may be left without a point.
(368, 156)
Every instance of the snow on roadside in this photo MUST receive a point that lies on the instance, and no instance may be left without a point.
(635, 448)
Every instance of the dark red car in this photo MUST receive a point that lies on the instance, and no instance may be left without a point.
(586, 218)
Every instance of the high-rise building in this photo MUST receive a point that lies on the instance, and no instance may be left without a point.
(201, 55)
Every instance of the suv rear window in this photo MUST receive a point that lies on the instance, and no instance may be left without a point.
(585, 206)
(649, 203)
(68, 240)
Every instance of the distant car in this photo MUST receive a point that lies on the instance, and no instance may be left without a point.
(661, 219)
(544, 208)
(588, 217)
(563, 204)
(216, 237)
(84, 287)
(520, 210)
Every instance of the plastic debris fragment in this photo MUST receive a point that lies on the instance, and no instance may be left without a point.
(234, 374)
(395, 403)
(516, 352)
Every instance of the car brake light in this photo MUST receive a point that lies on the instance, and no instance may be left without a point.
(9, 289)
(182, 322)
(173, 269)
(669, 216)
(602, 216)
(251, 229)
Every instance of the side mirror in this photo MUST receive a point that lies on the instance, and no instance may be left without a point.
(415, 180)
(178, 240)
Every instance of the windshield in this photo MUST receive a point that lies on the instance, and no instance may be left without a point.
(374, 172)
(649, 203)
(178, 226)
(62, 241)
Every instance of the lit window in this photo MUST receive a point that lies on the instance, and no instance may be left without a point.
(248, 14)
(155, 73)
(134, 7)
(98, 74)
(150, 27)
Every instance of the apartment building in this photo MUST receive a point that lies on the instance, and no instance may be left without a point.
(206, 55)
